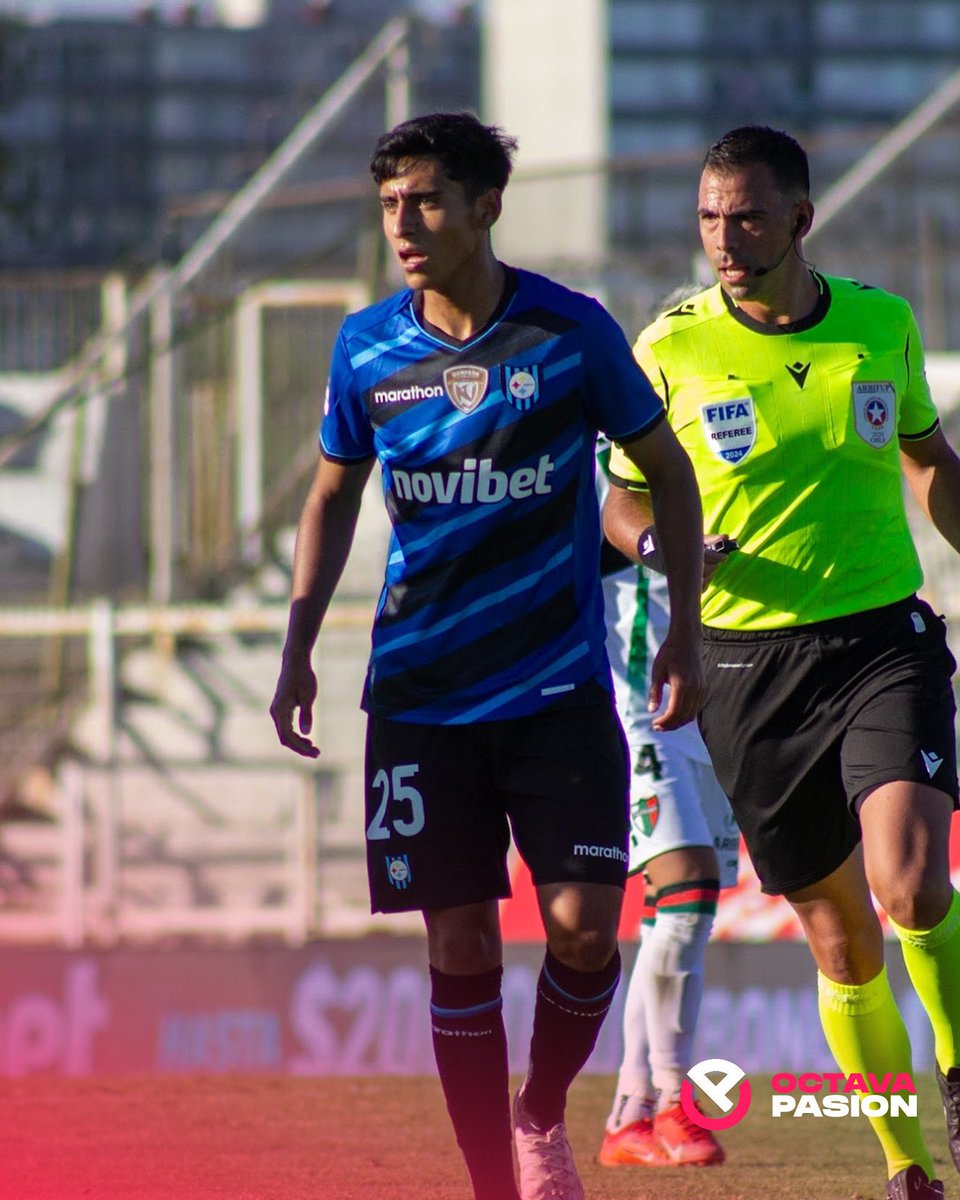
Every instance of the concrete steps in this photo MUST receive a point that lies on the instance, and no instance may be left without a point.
(203, 822)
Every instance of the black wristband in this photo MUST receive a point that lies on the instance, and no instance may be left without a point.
(648, 551)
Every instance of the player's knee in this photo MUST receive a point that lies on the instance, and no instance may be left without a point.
(462, 949)
(851, 953)
(584, 950)
(916, 907)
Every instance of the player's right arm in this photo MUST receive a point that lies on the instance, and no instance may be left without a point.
(628, 513)
(324, 536)
(628, 519)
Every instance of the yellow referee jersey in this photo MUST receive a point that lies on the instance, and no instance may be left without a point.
(793, 432)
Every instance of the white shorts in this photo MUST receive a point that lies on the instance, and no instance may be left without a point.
(675, 801)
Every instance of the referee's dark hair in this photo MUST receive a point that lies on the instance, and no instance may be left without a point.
(751, 144)
(476, 155)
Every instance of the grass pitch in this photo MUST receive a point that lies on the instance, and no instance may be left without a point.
(285, 1138)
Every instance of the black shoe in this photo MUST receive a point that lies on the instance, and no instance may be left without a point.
(912, 1184)
(950, 1095)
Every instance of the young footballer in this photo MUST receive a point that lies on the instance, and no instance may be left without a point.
(480, 388)
(828, 708)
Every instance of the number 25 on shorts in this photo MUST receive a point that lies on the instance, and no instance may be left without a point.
(398, 793)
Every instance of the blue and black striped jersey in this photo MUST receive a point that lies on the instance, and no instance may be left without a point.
(491, 606)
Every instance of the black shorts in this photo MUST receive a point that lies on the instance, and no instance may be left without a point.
(802, 723)
(441, 799)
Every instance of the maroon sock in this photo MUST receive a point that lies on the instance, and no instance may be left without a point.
(470, 1046)
(569, 1011)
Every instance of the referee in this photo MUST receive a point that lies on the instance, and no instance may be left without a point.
(829, 709)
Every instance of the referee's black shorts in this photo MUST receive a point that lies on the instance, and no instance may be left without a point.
(802, 723)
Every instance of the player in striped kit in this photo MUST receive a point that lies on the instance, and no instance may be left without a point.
(480, 390)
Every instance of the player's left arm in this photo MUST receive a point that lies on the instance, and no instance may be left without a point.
(676, 510)
(932, 471)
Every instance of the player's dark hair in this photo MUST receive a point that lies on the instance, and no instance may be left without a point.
(751, 144)
(476, 155)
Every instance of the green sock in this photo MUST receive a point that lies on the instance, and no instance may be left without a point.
(932, 959)
(865, 1033)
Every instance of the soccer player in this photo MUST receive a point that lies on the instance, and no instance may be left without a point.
(828, 708)
(480, 390)
(684, 840)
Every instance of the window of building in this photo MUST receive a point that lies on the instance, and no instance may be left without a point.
(865, 86)
(650, 24)
(632, 137)
(181, 174)
(202, 55)
(651, 84)
(33, 117)
(864, 23)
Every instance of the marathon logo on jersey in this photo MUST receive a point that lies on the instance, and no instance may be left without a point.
(874, 406)
(398, 871)
(466, 386)
(730, 428)
(522, 386)
(405, 394)
(476, 483)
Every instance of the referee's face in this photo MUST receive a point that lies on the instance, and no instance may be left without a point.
(437, 235)
(748, 228)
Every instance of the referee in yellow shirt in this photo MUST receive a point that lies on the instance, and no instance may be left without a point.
(829, 708)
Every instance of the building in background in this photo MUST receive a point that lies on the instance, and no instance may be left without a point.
(614, 101)
(124, 137)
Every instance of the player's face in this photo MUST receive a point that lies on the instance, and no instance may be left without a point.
(436, 233)
(748, 228)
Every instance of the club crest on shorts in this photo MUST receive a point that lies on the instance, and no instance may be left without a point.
(398, 870)
(874, 411)
(465, 386)
(730, 428)
(646, 813)
(522, 386)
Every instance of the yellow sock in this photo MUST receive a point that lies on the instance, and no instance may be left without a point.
(865, 1032)
(932, 959)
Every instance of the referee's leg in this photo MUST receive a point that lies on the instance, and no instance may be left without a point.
(906, 831)
(861, 1022)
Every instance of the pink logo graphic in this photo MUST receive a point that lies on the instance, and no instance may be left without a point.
(731, 1076)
